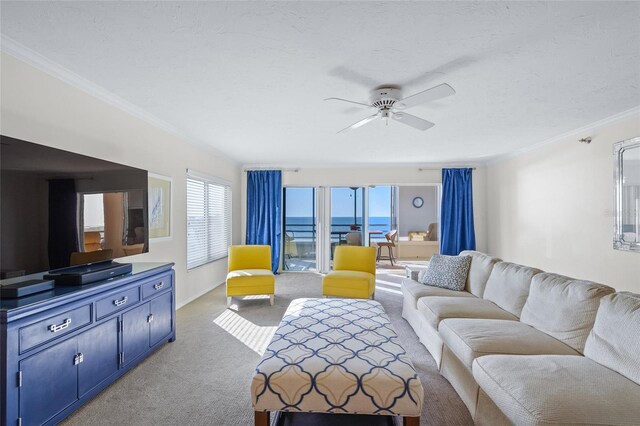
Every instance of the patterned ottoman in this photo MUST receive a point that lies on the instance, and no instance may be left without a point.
(336, 356)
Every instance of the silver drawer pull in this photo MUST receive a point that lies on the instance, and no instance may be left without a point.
(150, 318)
(77, 359)
(121, 301)
(55, 328)
(159, 285)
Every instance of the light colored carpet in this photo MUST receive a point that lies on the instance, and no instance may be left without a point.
(204, 377)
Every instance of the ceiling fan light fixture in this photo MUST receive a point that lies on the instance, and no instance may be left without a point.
(391, 104)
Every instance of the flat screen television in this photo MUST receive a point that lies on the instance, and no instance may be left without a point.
(60, 209)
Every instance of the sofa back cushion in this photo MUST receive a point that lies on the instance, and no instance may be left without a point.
(615, 339)
(479, 271)
(563, 307)
(508, 286)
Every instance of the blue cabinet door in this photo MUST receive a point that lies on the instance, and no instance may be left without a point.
(49, 383)
(135, 332)
(160, 327)
(99, 349)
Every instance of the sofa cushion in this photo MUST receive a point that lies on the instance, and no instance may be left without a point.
(470, 338)
(557, 389)
(479, 271)
(435, 309)
(508, 286)
(614, 340)
(563, 307)
(448, 272)
(416, 290)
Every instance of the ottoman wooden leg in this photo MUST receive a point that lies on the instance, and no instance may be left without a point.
(262, 418)
(410, 421)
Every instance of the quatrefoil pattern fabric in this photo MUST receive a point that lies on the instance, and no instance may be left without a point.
(336, 356)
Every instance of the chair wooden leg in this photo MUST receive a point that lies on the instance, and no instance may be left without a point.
(271, 299)
(390, 255)
(378, 255)
(262, 418)
(411, 421)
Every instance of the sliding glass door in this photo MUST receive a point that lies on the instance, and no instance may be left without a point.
(347, 216)
(383, 212)
(299, 229)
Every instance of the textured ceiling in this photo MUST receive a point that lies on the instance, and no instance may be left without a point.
(249, 79)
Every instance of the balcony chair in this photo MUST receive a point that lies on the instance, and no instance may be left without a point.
(389, 244)
(354, 273)
(250, 272)
(290, 245)
(92, 241)
(432, 232)
(353, 239)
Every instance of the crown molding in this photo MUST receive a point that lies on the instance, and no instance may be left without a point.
(571, 134)
(333, 166)
(46, 65)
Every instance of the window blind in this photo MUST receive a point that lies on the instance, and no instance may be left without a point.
(208, 220)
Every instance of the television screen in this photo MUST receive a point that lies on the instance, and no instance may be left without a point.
(59, 209)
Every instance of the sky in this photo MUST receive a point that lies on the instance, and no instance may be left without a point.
(300, 201)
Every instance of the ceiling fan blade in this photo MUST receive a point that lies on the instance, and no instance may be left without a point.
(412, 120)
(438, 92)
(360, 123)
(351, 102)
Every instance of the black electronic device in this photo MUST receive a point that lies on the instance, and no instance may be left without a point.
(87, 274)
(25, 288)
(56, 203)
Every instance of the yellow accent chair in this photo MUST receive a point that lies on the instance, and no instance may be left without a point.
(354, 273)
(250, 272)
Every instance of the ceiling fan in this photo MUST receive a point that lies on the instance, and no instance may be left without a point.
(390, 104)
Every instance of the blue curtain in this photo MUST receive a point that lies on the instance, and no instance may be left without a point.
(264, 204)
(457, 231)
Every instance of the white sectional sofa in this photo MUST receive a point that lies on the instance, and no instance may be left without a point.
(520, 347)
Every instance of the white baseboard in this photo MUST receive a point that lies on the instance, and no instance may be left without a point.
(191, 299)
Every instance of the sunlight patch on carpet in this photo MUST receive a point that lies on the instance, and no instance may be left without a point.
(389, 283)
(388, 290)
(253, 336)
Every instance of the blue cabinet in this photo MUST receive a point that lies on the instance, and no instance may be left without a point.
(161, 318)
(135, 333)
(55, 378)
(98, 347)
(60, 349)
(49, 383)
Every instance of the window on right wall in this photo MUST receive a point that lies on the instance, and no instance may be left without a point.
(208, 219)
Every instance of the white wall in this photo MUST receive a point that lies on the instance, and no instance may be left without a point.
(552, 208)
(409, 175)
(39, 108)
(411, 218)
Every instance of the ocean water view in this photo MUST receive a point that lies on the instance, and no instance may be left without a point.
(302, 227)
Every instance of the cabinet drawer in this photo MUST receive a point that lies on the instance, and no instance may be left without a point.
(117, 301)
(54, 327)
(156, 286)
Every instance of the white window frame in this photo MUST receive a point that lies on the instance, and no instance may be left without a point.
(209, 254)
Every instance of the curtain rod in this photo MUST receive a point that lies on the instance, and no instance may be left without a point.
(274, 168)
(424, 169)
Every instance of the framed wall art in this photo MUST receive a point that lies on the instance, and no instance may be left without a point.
(159, 206)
